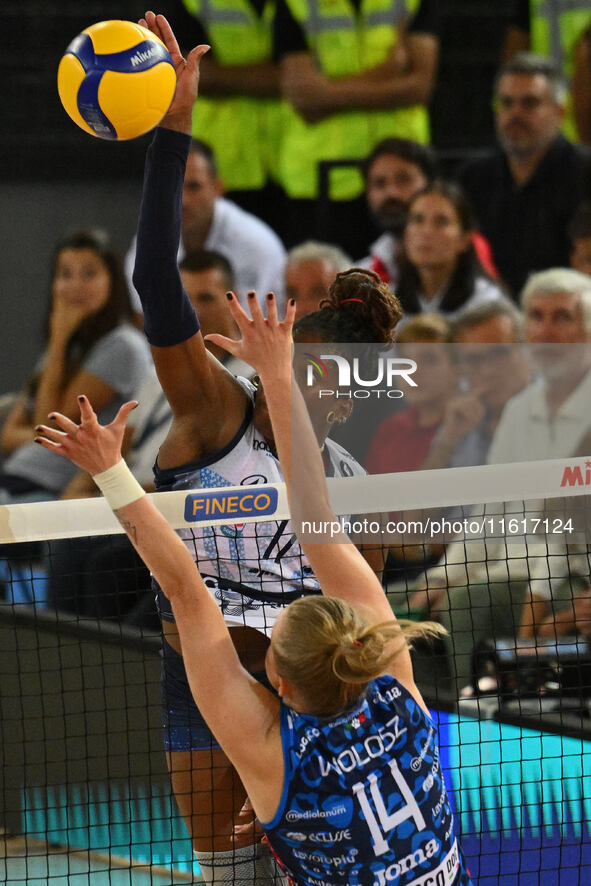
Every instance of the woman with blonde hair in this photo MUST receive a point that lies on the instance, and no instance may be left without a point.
(342, 768)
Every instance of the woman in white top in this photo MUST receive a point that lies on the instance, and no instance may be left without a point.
(90, 346)
(439, 270)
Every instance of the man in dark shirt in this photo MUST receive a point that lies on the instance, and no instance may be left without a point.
(525, 192)
(561, 30)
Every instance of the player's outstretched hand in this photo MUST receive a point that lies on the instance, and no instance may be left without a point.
(91, 446)
(266, 341)
(187, 70)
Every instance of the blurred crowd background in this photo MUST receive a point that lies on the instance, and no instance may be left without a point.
(54, 178)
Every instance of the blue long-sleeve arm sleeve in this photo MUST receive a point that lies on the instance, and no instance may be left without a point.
(169, 316)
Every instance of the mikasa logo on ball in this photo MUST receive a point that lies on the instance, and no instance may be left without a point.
(140, 57)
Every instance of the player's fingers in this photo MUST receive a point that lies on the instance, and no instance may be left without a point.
(49, 444)
(228, 344)
(254, 306)
(237, 311)
(247, 827)
(149, 21)
(246, 807)
(63, 422)
(87, 413)
(290, 313)
(50, 433)
(272, 309)
(167, 35)
(196, 55)
(120, 420)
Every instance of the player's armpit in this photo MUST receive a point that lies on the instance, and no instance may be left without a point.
(208, 409)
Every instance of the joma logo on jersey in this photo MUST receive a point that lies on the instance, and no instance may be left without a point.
(576, 476)
(215, 504)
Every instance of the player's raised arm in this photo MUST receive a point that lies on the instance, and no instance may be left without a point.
(213, 663)
(194, 382)
(269, 345)
(96, 448)
(341, 570)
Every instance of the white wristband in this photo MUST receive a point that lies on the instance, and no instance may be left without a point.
(118, 486)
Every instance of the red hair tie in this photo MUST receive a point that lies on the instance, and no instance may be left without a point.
(357, 642)
(345, 300)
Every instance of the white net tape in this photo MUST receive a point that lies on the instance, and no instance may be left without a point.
(480, 485)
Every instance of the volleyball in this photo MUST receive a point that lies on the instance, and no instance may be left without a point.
(116, 80)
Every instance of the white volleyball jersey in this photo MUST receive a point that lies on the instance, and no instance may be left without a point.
(252, 569)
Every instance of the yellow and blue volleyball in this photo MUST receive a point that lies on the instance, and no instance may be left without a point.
(116, 80)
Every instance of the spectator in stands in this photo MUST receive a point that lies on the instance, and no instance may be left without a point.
(493, 368)
(90, 347)
(525, 191)
(396, 171)
(239, 111)
(403, 440)
(351, 77)
(579, 233)
(309, 270)
(543, 616)
(207, 276)
(485, 585)
(78, 568)
(549, 417)
(439, 268)
(211, 222)
(559, 30)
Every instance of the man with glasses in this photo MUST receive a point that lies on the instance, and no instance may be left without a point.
(526, 190)
(558, 29)
(479, 589)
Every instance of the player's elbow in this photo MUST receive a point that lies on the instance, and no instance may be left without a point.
(140, 279)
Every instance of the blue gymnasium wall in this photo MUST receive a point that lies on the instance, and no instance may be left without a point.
(83, 766)
(523, 801)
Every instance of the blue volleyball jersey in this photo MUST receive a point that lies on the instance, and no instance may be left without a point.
(364, 802)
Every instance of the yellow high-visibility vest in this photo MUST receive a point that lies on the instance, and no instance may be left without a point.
(555, 28)
(243, 131)
(344, 42)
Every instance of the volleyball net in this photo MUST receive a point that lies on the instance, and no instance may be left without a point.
(83, 769)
